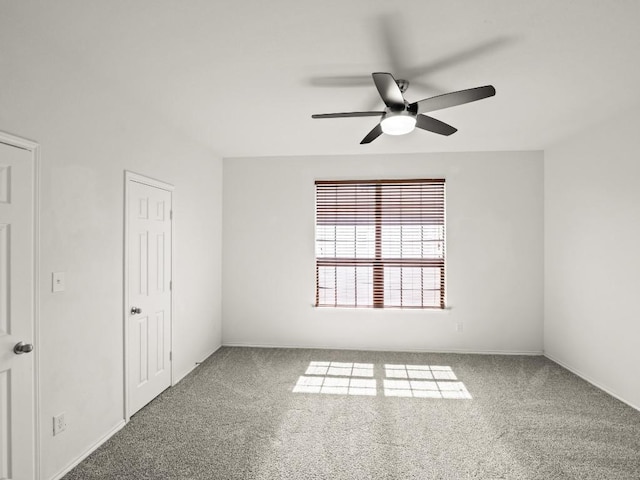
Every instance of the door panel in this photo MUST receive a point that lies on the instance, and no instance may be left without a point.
(16, 313)
(149, 270)
(4, 279)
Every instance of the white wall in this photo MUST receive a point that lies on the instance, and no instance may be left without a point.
(592, 264)
(90, 132)
(494, 254)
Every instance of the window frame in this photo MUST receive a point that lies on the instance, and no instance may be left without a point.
(378, 262)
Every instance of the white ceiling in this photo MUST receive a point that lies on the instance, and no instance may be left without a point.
(245, 76)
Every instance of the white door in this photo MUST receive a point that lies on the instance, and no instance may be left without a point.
(16, 313)
(149, 293)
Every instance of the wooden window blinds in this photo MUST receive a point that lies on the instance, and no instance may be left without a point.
(380, 243)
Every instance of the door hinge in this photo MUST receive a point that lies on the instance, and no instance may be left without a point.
(170, 214)
(170, 356)
(170, 284)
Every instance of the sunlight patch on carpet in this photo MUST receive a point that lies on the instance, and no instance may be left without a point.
(400, 380)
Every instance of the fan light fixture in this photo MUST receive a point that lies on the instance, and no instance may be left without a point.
(398, 123)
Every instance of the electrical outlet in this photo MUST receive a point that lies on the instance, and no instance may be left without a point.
(459, 327)
(59, 424)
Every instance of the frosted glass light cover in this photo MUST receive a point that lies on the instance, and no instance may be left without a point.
(399, 124)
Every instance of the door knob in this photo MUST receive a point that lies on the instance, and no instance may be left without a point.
(135, 310)
(21, 348)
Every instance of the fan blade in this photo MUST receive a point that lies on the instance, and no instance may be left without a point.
(456, 58)
(435, 126)
(341, 81)
(347, 114)
(454, 98)
(389, 90)
(372, 135)
(394, 44)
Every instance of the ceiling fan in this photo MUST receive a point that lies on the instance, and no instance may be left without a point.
(401, 117)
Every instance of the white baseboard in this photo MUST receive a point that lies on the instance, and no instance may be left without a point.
(212, 352)
(408, 350)
(195, 365)
(590, 380)
(89, 451)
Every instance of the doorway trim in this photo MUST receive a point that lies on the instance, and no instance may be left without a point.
(129, 177)
(34, 148)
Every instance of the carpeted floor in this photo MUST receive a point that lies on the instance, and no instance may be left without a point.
(374, 415)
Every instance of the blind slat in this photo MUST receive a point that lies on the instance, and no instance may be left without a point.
(392, 202)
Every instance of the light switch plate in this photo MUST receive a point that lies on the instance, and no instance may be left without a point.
(57, 279)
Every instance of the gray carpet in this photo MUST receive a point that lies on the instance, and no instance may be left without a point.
(237, 417)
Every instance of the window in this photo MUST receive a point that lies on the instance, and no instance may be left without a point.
(380, 243)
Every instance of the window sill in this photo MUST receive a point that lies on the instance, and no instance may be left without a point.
(388, 309)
